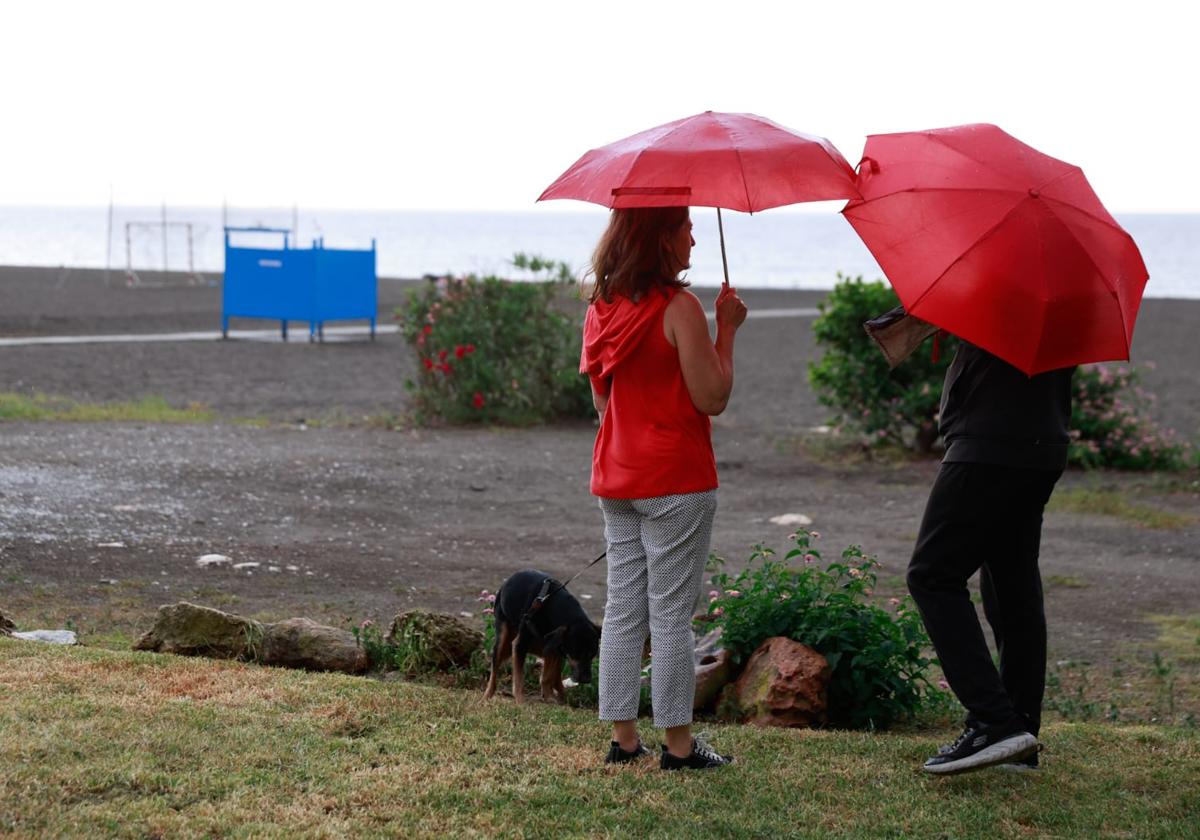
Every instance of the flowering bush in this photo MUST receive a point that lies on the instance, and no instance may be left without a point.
(880, 670)
(888, 406)
(489, 350)
(1109, 428)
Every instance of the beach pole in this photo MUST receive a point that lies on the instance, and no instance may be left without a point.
(108, 246)
(721, 230)
(164, 230)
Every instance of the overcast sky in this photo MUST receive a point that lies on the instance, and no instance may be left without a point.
(443, 105)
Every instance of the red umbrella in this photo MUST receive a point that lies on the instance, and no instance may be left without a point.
(999, 244)
(736, 161)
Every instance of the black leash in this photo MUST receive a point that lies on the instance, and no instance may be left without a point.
(545, 593)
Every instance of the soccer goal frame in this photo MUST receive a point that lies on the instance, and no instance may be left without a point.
(132, 277)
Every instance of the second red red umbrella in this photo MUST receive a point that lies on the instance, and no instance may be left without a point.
(999, 244)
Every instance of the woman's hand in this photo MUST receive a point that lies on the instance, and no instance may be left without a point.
(731, 311)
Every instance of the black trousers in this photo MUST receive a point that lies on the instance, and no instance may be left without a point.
(986, 518)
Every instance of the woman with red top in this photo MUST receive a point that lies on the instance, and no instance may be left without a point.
(656, 377)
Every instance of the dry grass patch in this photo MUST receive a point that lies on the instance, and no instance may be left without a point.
(1112, 504)
(100, 743)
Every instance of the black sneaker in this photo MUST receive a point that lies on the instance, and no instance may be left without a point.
(703, 757)
(616, 755)
(982, 746)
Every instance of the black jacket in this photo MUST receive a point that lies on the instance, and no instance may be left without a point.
(992, 413)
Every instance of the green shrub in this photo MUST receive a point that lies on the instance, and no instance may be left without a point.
(1110, 428)
(493, 351)
(880, 670)
(888, 406)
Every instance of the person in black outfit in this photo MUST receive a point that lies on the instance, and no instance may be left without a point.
(1006, 438)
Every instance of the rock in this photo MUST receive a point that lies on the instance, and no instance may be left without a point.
(249, 564)
(302, 643)
(206, 561)
(791, 519)
(6, 626)
(433, 641)
(54, 637)
(784, 684)
(714, 669)
(192, 630)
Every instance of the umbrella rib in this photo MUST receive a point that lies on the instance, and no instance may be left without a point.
(962, 256)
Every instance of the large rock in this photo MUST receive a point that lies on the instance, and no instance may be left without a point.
(784, 684)
(430, 641)
(6, 626)
(302, 643)
(714, 669)
(192, 630)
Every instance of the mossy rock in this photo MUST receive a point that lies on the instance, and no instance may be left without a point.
(6, 626)
(425, 641)
(192, 630)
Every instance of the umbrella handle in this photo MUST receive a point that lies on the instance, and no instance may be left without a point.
(724, 262)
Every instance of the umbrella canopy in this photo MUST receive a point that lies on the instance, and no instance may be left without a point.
(999, 244)
(736, 161)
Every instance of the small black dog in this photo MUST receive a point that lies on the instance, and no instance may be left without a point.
(555, 628)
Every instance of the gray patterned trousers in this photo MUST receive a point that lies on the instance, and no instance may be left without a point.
(657, 549)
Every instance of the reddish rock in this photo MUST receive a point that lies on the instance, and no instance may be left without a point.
(784, 684)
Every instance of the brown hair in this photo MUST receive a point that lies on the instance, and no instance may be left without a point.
(635, 255)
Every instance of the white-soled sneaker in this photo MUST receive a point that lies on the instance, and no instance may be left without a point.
(981, 746)
(703, 757)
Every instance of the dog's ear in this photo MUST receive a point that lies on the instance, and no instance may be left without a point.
(553, 641)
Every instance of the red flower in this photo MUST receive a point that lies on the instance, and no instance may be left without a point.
(428, 329)
(477, 400)
(444, 367)
(470, 348)
(459, 351)
(428, 363)
(442, 355)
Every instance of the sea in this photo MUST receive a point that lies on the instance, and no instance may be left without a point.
(781, 249)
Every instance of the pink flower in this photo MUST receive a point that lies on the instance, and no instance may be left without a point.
(809, 559)
(895, 602)
(719, 611)
(732, 593)
(489, 611)
(714, 595)
(816, 535)
(943, 685)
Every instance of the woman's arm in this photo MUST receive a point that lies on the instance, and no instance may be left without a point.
(600, 401)
(707, 365)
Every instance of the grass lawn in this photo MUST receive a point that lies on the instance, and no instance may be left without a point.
(105, 743)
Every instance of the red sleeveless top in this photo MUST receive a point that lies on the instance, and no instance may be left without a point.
(652, 440)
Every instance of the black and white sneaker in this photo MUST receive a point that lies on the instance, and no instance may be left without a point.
(1024, 765)
(703, 757)
(616, 755)
(982, 746)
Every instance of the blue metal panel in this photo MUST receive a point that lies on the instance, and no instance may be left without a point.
(315, 284)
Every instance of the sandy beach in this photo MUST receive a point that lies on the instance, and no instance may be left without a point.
(101, 523)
